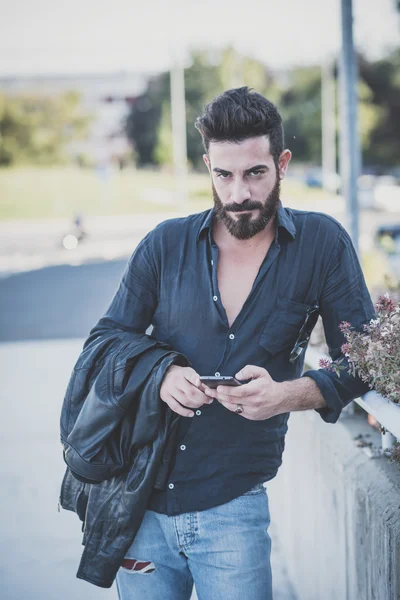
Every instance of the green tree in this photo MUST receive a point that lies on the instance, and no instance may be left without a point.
(383, 80)
(202, 83)
(369, 116)
(209, 74)
(38, 129)
(144, 119)
(163, 151)
(296, 93)
(300, 107)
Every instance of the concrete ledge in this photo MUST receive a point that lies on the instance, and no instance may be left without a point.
(337, 512)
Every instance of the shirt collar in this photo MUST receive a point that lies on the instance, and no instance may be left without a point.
(284, 219)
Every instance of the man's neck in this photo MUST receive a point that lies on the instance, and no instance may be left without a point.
(226, 241)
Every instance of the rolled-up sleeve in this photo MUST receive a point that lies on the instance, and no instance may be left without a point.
(344, 297)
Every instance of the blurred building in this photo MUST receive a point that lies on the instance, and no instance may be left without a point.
(106, 97)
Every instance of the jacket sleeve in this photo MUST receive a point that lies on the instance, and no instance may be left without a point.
(344, 297)
(115, 419)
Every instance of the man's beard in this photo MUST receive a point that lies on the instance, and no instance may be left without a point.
(245, 227)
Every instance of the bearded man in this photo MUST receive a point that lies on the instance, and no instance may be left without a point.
(237, 290)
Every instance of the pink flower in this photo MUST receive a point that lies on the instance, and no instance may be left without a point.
(344, 326)
(325, 363)
(374, 352)
(346, 348)
(385, 304)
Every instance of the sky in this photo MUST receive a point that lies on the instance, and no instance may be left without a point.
(90, 36)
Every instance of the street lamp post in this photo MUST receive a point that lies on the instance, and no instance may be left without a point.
(350, 155)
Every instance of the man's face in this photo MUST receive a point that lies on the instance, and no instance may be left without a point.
(245, 183)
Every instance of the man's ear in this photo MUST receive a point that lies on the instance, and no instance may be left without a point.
(207, 162)
(283, 163)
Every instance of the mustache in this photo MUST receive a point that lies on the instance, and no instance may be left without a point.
(246, 205)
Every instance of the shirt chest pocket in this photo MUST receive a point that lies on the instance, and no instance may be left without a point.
(283, 327)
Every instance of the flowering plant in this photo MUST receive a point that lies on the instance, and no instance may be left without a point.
(374, 354)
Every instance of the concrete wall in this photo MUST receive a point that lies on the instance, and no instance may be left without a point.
(337, 512)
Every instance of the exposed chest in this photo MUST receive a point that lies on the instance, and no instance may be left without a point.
(236, 277)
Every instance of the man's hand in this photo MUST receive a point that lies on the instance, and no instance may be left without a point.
(261, 398)
(181, 388)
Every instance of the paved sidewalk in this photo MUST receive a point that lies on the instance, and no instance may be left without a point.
(41, 547)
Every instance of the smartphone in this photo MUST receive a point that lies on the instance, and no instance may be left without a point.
(212, 381)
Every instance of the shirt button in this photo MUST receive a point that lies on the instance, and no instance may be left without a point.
(217, 374)
(231, 336)
(212, 262)
(171, 486)
(198, 412)
(183, 447)
(215, 298)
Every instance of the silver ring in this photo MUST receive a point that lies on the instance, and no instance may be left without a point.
(239, 409)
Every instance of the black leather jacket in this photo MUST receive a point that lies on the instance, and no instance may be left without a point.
(118, 440)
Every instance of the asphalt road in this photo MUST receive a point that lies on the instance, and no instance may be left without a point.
(57, 302)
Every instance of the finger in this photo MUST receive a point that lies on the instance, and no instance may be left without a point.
(203, 387)
(211, 392)
(190, 396)
(208, 397)
(182, 398)
(191, 376)
(193, 379)
(241, 391)
(246, 414)
(178, 408)
(191, 390)
(250, 372)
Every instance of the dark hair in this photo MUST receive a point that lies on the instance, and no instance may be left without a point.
(239, 114)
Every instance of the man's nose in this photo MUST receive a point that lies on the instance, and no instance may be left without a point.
(240, 192)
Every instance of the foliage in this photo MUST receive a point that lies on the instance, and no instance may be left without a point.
(300, 107)
(395, 455)
(208, 75)
(383, 79)
(143, 121)
(37, 129)
(202, 83)
(163, 151)
(369, 116)
(296, 92)
(374, 354)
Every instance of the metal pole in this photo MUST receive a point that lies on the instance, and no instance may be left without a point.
(178, 114)
(350, 156)
(328, 126)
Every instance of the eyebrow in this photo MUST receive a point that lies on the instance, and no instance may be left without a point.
(255, 168)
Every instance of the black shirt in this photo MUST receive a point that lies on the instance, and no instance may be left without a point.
(171, 283)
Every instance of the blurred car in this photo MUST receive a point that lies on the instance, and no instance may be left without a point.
(314, 178)
(387, 194)
(387, 237)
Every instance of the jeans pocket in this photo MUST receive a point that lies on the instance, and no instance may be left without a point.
(257, 489)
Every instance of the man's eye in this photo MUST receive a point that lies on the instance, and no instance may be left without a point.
(255, 173)
(223, 175)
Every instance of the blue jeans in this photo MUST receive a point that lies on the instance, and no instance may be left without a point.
(224, 550)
